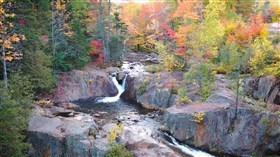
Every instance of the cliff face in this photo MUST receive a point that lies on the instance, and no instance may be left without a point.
(252, 132)
(255, 130)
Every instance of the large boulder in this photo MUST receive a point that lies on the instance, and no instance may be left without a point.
(84, 84)
(219, 132)
(99, 147)
(62, 136)
(260, 88)
(140, 141)
(266, 88)
(153, 91)
(155, 98)
(265, 85)
(130, 88)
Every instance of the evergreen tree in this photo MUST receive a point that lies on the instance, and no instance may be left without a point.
(69, 45)
(37, 60)
(78, 41)
(15, 105)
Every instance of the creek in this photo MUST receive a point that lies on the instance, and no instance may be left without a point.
(135, 118)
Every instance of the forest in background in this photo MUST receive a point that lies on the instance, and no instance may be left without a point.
(42, 38)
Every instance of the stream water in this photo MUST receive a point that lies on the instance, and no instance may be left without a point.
(133, 115)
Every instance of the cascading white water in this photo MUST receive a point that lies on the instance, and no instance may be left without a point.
(123, 82)
(188, 150)
(120, 88)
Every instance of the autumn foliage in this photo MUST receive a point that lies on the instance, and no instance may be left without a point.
(96, 49)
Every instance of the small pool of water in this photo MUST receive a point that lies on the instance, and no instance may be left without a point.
(112, 109)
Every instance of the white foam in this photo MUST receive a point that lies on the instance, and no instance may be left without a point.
(120, 88)
(188, 150)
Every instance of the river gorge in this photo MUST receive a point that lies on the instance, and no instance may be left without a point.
(153, 123)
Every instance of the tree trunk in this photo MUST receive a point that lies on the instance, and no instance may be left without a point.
(237, 97)
(103, 36)
(109, 34)
(5, 75)
(53, 36)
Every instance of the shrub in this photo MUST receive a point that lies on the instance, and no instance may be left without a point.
(265, 120)
(118, 150)
(183, 95)
(114, 133)
(228, 57)
(155, 68)
(171, 61)
(199, 117)
(142, 89)
(265, 59)
(201, 75)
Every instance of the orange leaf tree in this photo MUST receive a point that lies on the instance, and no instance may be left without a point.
(143, 22)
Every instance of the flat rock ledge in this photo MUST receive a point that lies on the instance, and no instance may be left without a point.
(71, 136)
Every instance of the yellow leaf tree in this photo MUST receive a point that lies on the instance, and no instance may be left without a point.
(8, 39)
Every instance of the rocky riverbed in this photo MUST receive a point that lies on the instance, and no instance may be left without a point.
(148, 109)
(84, 130)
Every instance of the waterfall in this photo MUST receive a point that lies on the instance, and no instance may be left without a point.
(120, 88)
(188, 150)
(123, 82)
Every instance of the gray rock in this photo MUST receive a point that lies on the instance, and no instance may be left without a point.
(266, 88)
(99, 148)
(272, 97)
(61, 136)
(265, 84)
(155, 98)
(140, 142)
(130, 88)
(120, 75)
(111, 70)
(158, 87)
(250, 85)
(252, 132)
(58, 111)
(81, 85)
(109, 127)
(76, 146)
(68, 105)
